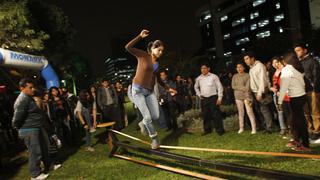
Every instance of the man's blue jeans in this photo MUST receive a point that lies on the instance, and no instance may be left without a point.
(36, 143)
(86, 114)
(148, 105)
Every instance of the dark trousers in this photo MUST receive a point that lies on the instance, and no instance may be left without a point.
(112, 113)
(180, 104)
(86, 114)
(299, 123)
(264, 111)
(211, 114)
(169, 109)
(38, 146)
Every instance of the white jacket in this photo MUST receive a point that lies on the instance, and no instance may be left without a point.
(292, 82)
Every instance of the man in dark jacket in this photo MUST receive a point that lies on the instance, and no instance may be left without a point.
(312, 80)
(107, 100)
(167, 91)
(28, 119)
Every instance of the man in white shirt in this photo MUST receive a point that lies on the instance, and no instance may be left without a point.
(259, 84)
(209, 88)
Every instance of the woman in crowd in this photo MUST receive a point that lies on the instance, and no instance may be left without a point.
(121, 101)
(191, 93)
(58, 109)
(143, 83)
(93, 96)
(292, 81)
(283, 116)
(85, 106)
(93, 92)
(241, 86)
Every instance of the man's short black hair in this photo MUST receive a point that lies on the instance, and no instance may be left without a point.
(24, 81)
(302, 45)
(105, 79)
(163, 71)
(251, 54)
(205, 64)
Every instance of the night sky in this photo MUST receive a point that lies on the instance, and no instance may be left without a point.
(99, 21)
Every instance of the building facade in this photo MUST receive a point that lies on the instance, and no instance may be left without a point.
(120, 69)
(121, 65)
(315, 13)
(229, 27)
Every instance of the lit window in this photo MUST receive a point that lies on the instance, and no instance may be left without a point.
(263, 34)
(254, 15)
(208, 33)
(242, 41)
(208, 26)
(224, 18)
(280, 29)
(227, 53)
(238, 21)
(257, 2)
(208, 16)
(278, 5)
(253, 27)
(278, 17)
(263, 23)
(226, 36)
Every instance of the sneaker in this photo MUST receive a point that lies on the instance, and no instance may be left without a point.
(240, 131)
(285, 137)
(154, 143)
(90, 149)
(292, 144)
(317, 141)
(55, 167)
(143, 128)
(40, 177)
(301, 149)
(283, 132)
(59, 144)
(92, 130)
(254, 132)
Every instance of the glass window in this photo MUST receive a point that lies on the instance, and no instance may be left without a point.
(278, 17)
(238, 21)
(253, 27)
(263, 34)
(263, 23)
(224, 18)
(257, 2)
(205, 15)
(280, 29)
(242, 41)
(208, 16)
(227, 53)
(278, 5)
(208, 26)
(226, 36)
(254, 15)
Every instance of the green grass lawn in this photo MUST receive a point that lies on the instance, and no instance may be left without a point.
(79, 164)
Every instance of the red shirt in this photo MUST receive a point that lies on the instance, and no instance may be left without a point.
(276, 84)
